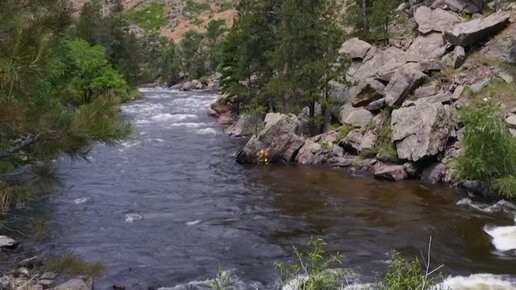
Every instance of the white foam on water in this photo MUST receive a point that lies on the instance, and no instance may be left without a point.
(154, 90)
(478, 282)
(80, 200)
(132, 217)
(173, 117)
(207, 131)
(193, 223)
(503, 238)
(189, 125)
(500, 206)
(142, 108)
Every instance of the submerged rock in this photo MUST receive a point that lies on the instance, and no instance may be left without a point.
(471, 32)
(7, 243)
(422, 129)
(390, 172)
(278, 139)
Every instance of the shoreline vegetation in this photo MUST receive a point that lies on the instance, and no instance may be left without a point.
(423, 91)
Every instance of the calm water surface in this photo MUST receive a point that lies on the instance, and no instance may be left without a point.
(170, 206)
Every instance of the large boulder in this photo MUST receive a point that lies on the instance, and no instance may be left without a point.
(434, 20)
(422, 129)
(371, 67)
(390, 172)
(471, 32)
(402, 83)
(355, 117)
(278, 139)
(426, 47)
(355, 48)
(244, 126)
(351, 143)
(367, 92)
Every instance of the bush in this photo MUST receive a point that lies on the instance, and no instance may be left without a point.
(151, 17)
(196, 7)
(488, 149)
(310, 269)
(384, 148)
(406, 275)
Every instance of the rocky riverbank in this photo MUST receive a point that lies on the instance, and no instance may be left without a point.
(399, 116)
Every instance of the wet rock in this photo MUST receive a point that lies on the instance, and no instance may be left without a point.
(227, 118)
(433, 173)
(390, 172)
(479, 188)
(187, 86)
(421, 130)
(48, 276)
(76, 284)
(46, 283)
(471, 32)
(411, 169)
(456, 58)
(211, 112)
(434, 20)
(308, 153)
(511, 121)
(367, 91)
(278, 139)
(351, 143)
(221, 106)
(356, 117)
(403, 82)
(426, 47)
(376, 106)
(7, 243)
(365, 165)
(355, 48)
(244, 126)
(30, 262)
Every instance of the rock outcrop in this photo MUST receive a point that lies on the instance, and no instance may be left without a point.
(355, 48)
(476, 30)
(244, 126)
(421, 130)
(437, 20)
(404, 81)
(278, 139)
(390, 172)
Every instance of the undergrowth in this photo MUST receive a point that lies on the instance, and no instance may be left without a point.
(71, 264)
(151, 17)
(384, 148)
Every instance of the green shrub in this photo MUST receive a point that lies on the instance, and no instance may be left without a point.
(196, 7)
(505, 186)
(310, 269)
(384, 148)
(406, 275)
(151, 17)
(71, 264)
(488, 149)
(343, 131)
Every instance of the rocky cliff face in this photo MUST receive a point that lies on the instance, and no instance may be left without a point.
(407, 95)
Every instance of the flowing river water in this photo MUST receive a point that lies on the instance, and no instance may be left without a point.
(170, 206)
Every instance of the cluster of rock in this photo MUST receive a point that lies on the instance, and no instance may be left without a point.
(395, 88)
(211, 83)
(27, 276)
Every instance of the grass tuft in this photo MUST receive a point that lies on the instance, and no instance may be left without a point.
(71, 264)
(151, 17)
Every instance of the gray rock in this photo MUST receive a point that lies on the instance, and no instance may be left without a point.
(433, 173)
(478, 86)
(371, 67)
(355, 48)
(36, 287)
(48, 276)
(506, 77)
(434, 20)
(426, 91)
(467, 6)
(402, 83)
(278, 139)
(502, 48)
(7, 243)
(244, 126)
(511, 121)
(367, 91)
(76, 284)
(308, 153)
(272, 118)
(187, 86)
(411, 169)
(430, 66)
(390, 172)
(456, 58)
(421, 130)
(342, 161)
(376, 106)
(368, 142)
(319, 149)
(457, 93)
(513, 132)
(351, 143)
(46, 283)
(479, 188)
(358, 118)
(426, 47)
(30, 262)
(476, 30)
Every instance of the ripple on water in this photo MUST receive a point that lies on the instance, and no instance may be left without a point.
(479, 282)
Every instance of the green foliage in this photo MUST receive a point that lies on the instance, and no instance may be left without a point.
(194, 6)
(89, 74)
(384, 148)
(488, 148)
(71, 264)
(343, 131)
(151, 17)
(505, 186)
(256, 112)
(407, 275)
(310, 269)
(222, 281)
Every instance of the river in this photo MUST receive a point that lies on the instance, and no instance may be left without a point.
(169, 207)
